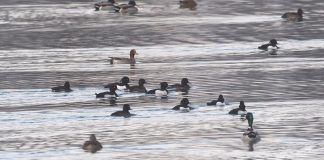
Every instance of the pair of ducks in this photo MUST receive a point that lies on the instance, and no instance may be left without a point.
(111, 5)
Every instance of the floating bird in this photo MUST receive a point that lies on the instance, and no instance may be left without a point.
(124, 113)
(110, 5)
(191, 4)
(183, 87)
(122, 60)
(140, 88)
(272, 43)
(92, 145)
(162, 92)
(129, 8)
(250, 136)
(109, 94)
(122, 85)
(293, 16)
(183, 106)
(241, 110)
(219, 102)
(65, 88)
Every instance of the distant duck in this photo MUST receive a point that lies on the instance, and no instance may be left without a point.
(65, 88)
(124, 113)
(92, 145)
(110, 5)
(122, 60)
(272, 42)
(191, 4)
(122, 85)
(250, 135)
(183, 106)
(109, 94)
(183, 87)
(239, 111)
(162, 92)
(219, 102)
(293, 16)
(129, 8)
(140, 88)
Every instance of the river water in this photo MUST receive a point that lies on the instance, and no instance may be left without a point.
(44, 43)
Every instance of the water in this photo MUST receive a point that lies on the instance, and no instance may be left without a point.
(44, 43)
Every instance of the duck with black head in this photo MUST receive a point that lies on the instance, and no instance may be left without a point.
(183, 106)
(122, 85)
(239, 111)
(191, 4)
(182, 87)
(108, 6)
(219, 102)
(124, 113)
(65, 88)
(162, 92)
(272, 43)
(140, 88)
(294, 16)
(123, 60)
(93, 145)
(108, 94)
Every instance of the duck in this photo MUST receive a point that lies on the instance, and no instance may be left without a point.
(293, 16)
(250, 135)
(65, 88)
(272, 42)
(122, 60)
(162, 92)
(124, 113)
(122, 85)
(182, 87)
(239, 111)
(191, 4)
(183, 106)
(110, 94)
(140, 88)
(110, 5)
(219, 102)
(129, 8)
(93, 145)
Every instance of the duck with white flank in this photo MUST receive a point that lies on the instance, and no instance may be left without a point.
(110, 5)
(122, 60)
(122, 85)
(124, 113)
(183, 87)
(293, 16)
(109, 94)
(140, 88)
(219, 102)
(238, 111)
(92, 145)
(162, 92)
(191, 4)
(250, 136)
(129, 8)
(272, 43)
(183, 106)
(65, 88)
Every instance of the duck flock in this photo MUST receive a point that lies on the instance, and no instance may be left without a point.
(249, 136)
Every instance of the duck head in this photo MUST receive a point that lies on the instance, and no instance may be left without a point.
(184, 81)
(111, 1)
(132, 53)
(164, 85)
(124, 80)
(67, 85)
(93, 138)
(273, 43)
(221, 98)
(126, 108)
(249, 117)
(242, 106)
(300, 11)
(141, 82)
(184, 102)
(132, 2)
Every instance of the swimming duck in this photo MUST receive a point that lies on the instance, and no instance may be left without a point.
(191, 4)
(272, 42)
(140, 88)
(65, 88)
(124, 113)
(160, 92)
(122, 85)
(122, 60)
(219, 102)
(241, 110)
(129, 8)
(111, 94)
(183, 106)
(250, 135)
(110, 5)
(183, 87)
(292, 16)
(92, 145)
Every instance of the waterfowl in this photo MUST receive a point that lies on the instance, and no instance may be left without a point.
(191, 4)
(110, 94)
(92, 145)
(250, 135)
(219, 102)
(110, 5)
(183, 106)
(140, 88)
(293, 16)
(182, 87)
(160, 92)
(122, 85)
(272, 42)
(65, 88)
(122, 60)
(124, 113)
(241, 110)
(129, 8)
